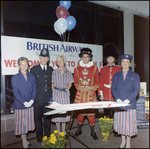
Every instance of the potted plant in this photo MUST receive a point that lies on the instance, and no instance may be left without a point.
(106, 127)
(56, 140)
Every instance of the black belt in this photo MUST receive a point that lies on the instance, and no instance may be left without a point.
(63, 89)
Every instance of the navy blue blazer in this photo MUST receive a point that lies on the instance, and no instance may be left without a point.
(23, 90)
(128, 89)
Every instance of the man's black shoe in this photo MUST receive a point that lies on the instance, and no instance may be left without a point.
(78, 133)
(39, 139)
(94, 136)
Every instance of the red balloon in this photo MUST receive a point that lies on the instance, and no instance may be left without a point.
(61, 12)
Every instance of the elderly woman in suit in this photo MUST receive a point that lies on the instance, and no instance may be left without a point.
(24, 90)
(125, 88)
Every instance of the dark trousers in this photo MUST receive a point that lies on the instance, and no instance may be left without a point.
(39, 110)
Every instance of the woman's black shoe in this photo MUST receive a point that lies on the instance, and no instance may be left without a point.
(78, 133)
(29, 145)
(122, 147)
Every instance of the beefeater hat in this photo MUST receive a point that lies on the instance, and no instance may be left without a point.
(85, 51)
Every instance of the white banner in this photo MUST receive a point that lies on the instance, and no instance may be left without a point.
(13, 48)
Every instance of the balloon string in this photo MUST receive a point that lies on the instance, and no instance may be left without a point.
(68, 36)
(64, 53)
(61, 37)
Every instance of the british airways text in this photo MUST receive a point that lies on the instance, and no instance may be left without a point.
(52, 47)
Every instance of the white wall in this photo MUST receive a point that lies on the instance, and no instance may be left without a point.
(140, 8)
(129, 35)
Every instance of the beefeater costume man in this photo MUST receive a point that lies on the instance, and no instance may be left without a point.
(86, 81)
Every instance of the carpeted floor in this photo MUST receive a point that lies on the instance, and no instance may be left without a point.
(141, 140)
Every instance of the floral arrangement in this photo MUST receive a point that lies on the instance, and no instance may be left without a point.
(56, 140)
(106, 125)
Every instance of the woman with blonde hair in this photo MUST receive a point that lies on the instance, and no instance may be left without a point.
(24, 90)
(62, 80)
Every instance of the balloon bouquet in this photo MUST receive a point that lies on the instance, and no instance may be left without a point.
(65, 21)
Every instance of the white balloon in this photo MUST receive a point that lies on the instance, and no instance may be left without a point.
(55, 28)
(62, 25)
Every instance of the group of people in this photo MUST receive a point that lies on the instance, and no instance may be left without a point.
(32, 91)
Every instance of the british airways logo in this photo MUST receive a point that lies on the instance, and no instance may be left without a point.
(53, 47)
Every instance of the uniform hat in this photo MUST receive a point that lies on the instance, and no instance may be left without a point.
(110, 49)
(44, 52)
(126, 56)
(22, 58)
(85, 51)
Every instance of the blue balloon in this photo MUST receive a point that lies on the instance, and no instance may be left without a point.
(66, 4)
(71, 22)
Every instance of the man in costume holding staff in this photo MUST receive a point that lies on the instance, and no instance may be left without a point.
(86, 81)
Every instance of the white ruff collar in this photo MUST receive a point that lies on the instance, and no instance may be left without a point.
(86, 65)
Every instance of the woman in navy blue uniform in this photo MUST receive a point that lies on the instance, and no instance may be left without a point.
(24, 90)
(125, 88)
